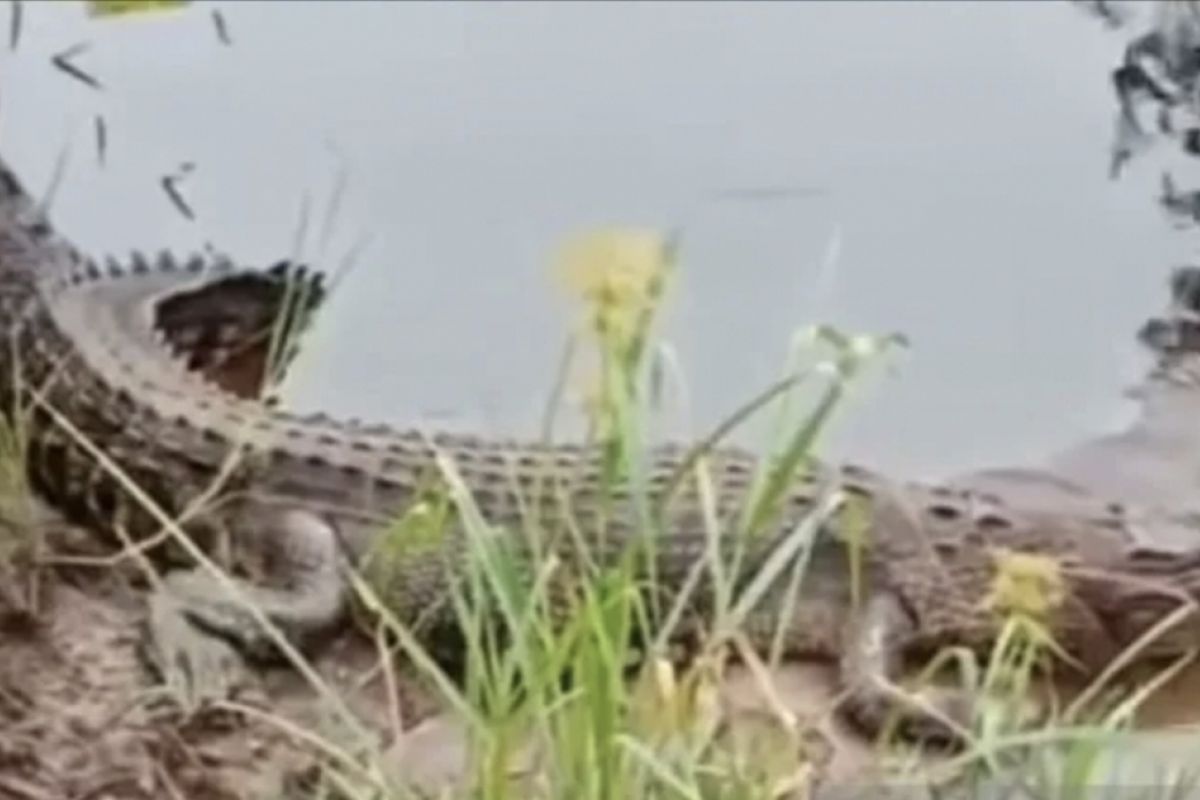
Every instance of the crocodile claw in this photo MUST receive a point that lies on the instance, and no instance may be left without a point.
(196, 667)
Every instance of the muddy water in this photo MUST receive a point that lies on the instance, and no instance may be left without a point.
(938, 169)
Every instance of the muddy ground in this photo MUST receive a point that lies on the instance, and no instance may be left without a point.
(82, 717)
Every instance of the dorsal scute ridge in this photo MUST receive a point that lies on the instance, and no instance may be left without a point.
(195, 263)
(313, 421)
(220, 262)
(113, 266)
(165, 262)
(300, 274)
(138, 263)
(73, 278)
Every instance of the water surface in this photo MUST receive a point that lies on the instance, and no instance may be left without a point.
(953, 159)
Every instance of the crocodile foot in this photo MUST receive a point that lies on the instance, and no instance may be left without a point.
(872, 672)
(201, 634)
(197, 668)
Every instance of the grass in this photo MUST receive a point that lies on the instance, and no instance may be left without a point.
(631, 722)
(601, 734)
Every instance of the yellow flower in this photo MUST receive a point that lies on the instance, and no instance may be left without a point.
(618, 274)
(1028, 584)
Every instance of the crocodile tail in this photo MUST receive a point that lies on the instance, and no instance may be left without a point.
(236, 308)
(237, 327)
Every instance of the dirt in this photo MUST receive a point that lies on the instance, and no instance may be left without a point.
(82, 716)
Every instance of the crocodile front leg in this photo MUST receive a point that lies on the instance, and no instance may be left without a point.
(198, 628)
(871, 666)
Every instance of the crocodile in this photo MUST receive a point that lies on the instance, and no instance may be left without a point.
(1152, 466)
(304, 499)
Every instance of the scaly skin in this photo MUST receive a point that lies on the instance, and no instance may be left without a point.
(308, 498)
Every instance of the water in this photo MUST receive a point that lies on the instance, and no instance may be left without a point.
(952, 156)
